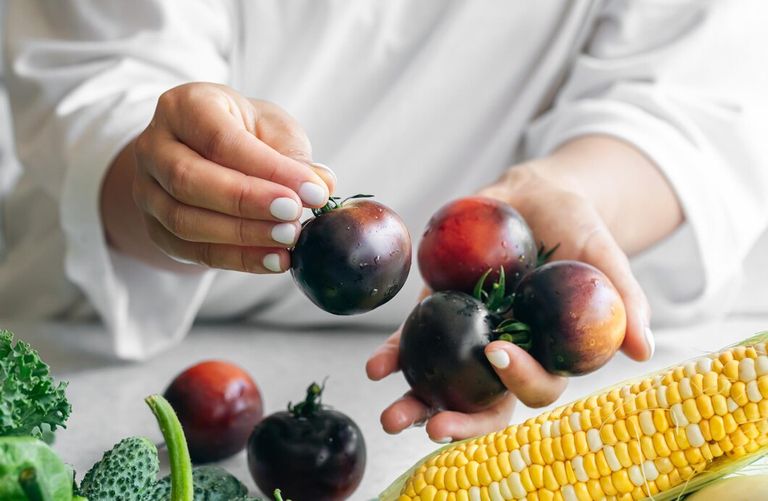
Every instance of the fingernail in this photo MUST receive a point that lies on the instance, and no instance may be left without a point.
(285, 208)
(444, 440)
(418, 424)
(313, 194)
(326, 169)
(498, 358)
(272, 262)
(650, 341)
(285, 233)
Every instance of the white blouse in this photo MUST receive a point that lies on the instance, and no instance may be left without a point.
(418, 102)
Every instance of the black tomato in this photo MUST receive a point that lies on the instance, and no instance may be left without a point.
(311, 453)
(218, 404)
(469, 236)
(352, 256)
(441, 353)
(576, 317)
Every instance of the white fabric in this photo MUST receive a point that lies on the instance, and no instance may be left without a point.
(419, 102)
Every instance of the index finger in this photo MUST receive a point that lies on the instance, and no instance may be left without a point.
(224, 128)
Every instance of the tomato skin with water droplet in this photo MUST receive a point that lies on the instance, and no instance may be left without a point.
(576, 316)
(468, 236)
(442, 353)
(352, 259)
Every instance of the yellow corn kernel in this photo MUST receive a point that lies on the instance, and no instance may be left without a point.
(595, 489)
(730, 424)
(647, 448)
(691, 411)
(569, 446)
(606, 483)
(739, 393)
(704, 406)
(620, 428)
(550, 481)
(621, 481)
(720, 405)
(558, 469)
(660, 445)
(580, 440)
(607, 435)
(673, 394)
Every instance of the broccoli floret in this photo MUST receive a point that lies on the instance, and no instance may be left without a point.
(126, 472)
(211, 483)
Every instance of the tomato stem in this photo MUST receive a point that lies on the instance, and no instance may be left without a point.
(278, 495)
(311, 404)
(497, 301)
(515, 332)
(334, 203)
(544, 254)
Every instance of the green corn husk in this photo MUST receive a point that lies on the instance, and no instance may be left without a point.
(718, 469)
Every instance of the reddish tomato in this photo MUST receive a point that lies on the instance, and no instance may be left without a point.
(469, 236)
(576, 317)
(218, 405)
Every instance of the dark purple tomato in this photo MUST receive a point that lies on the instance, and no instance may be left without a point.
(353, 258)
(469, 236)
(441, 353)
(311, 453)
(576, 316)
(218, 405)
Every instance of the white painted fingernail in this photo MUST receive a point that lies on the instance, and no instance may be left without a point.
(272, 262)
(326, 169)
(285, 233)
(313, 194)
(285, 208)
(499, 358)
(444, 440)
(650, 341)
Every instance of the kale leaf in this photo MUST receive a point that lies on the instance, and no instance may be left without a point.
(30, 401)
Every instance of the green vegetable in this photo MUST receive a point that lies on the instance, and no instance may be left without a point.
(125, 472)
(211, 483)
(178, 453)
(30, 402)
(29, 465)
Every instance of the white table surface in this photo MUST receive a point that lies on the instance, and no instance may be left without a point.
(107, 395)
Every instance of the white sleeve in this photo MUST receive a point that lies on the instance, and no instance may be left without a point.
(684, 82)
(84, 77)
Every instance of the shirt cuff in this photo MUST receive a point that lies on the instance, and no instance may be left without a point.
(146, 310)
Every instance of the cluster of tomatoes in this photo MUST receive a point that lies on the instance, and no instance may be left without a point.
(488, 281)
(480, 258)
(308, 451)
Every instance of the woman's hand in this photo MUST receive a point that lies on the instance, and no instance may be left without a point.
(219, 180)
(559, 199)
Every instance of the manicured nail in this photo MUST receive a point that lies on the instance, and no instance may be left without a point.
(326, 169)
(272, 262)
(313, 194)
(650, 341)
(285, 233)
(285, 208)
(499, 358)
(444, 440)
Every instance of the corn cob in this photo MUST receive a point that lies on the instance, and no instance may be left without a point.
(667, 434)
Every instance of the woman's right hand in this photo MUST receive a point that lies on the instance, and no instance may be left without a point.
(220, 179)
